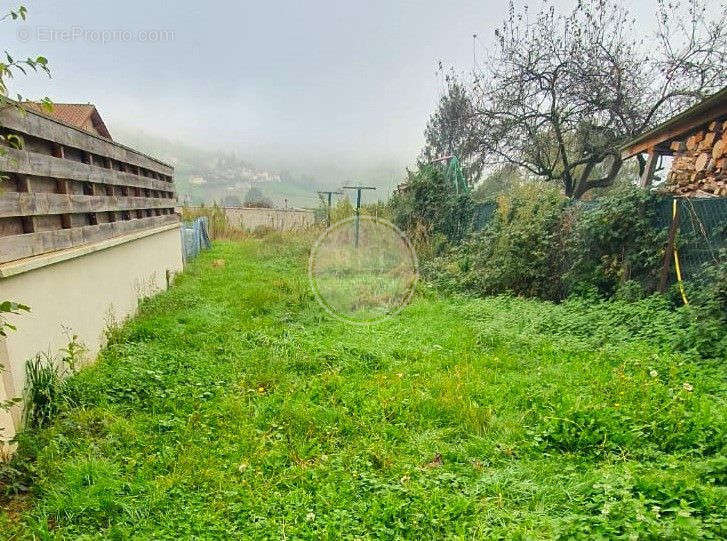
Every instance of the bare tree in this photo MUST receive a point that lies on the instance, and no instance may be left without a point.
(561, 93)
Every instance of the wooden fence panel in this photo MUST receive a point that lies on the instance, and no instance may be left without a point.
(24, 162)
(31, 244)
(37, 204)
(69, 188)
(43, 127)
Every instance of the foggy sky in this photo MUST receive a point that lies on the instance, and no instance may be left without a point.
(310, 82)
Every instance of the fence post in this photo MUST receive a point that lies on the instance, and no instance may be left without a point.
(649, 169)
(184, 243)
(673, 227)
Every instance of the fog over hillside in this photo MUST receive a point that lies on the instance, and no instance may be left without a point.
(330, 91)
(204, 174)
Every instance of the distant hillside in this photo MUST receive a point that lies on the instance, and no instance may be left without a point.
(203, 175)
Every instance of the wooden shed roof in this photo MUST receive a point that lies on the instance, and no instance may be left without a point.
(710, 108)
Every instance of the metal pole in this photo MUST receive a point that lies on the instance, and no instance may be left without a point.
(328, 209)
(358, 215)
(358, 207)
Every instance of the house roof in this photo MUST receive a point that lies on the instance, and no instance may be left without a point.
(75, 114)
(659, 138)
(36, 109)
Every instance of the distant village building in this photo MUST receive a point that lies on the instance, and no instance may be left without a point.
(697, 139)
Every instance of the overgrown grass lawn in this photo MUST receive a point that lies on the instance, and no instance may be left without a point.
(232, 406)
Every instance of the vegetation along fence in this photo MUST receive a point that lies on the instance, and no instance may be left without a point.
(701, 225)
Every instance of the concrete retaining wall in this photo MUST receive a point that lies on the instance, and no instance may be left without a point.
(278, 219)
(85, 292)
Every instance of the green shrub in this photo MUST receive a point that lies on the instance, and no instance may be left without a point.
(522, 251)
(43, 391)
(709, 290)
(540, 244)
(615, 243)
(341, 210)
(45, 383)
(652, 319)
(431, 207)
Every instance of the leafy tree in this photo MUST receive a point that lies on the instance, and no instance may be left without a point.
(256, 198)
(9, 307)
(450, 131)
(561, 93)
(501, 180)
(9, 68)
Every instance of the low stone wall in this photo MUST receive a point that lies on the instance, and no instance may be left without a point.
(700, 163)
(279, 219)
(78, 292)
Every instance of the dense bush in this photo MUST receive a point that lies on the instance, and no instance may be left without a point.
(432, 211)
(615, 242)
(709, 290)
(522, 250)
(539, 244)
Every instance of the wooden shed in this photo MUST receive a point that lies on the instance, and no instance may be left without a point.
(697, 139)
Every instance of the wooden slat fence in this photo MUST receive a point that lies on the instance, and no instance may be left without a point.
(68, 187)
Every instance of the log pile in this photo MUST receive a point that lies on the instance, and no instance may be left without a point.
(700, 163)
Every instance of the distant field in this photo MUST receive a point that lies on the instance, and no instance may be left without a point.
(232, 406)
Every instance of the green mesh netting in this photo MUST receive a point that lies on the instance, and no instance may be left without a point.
(484, 212)
(456, 176)
(702, 231)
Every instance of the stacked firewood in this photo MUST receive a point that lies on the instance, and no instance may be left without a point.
(700, 163)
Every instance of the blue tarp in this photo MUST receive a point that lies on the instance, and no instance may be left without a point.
(194, 237)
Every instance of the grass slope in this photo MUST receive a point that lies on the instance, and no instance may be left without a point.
(232, 407)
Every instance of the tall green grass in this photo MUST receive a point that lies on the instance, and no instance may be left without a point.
(232, 406)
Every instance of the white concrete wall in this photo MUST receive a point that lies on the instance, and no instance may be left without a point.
(84, 294)
(278, 219)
